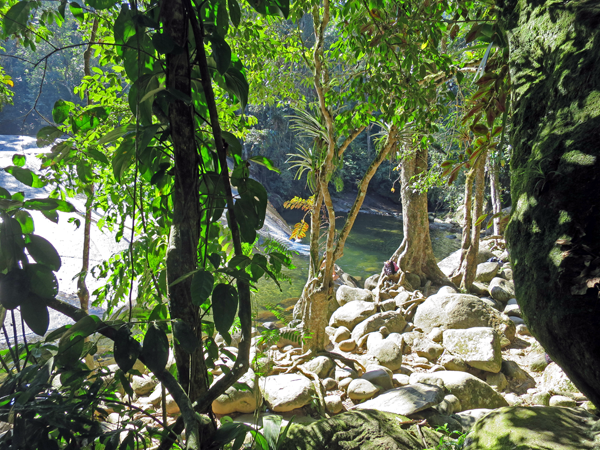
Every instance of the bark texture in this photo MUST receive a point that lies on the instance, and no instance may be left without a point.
(555, 225)
(182, 254)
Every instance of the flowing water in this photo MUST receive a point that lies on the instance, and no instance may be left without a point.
(372, 241)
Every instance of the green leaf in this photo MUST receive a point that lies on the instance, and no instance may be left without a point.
(221, 52)
(235, 13)
(49, 204)
(89, 119)
(101, 4)
(42, 281)
(4, 193)
(98, 155)
(255, 193)
(120, 375)
(35, 314)
(237, 85)
(124, 157)
(13, 287)
(43, 252)
(271, 428)
(202, 285)
(25, 176)
(224, 304)
(234, 146)
(264, 161)
(47, 135)
(126, 349)
(479, 129)
(61, 111)
(77, 11)
(18, 160)
(16, 18)
(156, 348)
(26, 221)
(116, 134)
(184, 334)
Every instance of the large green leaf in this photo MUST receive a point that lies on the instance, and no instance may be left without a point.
(202, 284)
(16, 18)
(89, 119)
(264, 161)
(237, 85)
(234, 146)
(13, 288)
(49, 204)
(124, 157)
(47, 135)
(25, 176)
(77, 11)
(126, 349)
(43, 252)
(61, 111)
(255, 193)
(224, 305)
(26, 221)
(221, 52)
(184, 334)
(155, 349)
(18, 160)
(35, 314)
(235, 13)
(42, 280)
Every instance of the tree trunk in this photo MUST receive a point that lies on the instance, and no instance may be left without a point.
(495, 195)
(415, 254)
(555, 185)
(182, 254)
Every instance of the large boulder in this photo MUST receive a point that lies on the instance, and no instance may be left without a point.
(322, 366)
(286, 392)
(379, 375)
(461, 311)
(486, 271)
(235, 400)
(352, 314)
(556, 381)
(534, 428)
(360, 389)
(501, 289)
(392, 320)
(346, 294)
(359, 429)
(479, 347)
(406, 400)
(387, 353)
(472, 392)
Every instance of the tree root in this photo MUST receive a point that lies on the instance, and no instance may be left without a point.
(318, 389)
(348, 361)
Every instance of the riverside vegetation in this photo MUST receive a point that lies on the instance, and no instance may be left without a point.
(158, 133)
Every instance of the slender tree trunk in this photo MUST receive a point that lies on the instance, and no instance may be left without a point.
(182, 254)
(555, 179)
(495, 195)
(82, 291)
(458, 274)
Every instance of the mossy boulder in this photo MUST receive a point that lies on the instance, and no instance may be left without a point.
(535, 428)
(360, 430)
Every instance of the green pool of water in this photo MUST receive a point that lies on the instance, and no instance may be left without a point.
(372, 241)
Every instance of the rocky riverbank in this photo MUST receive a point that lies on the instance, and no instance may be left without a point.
(398, 368)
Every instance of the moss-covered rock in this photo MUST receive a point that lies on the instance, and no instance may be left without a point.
(534, 428)
(360, 430)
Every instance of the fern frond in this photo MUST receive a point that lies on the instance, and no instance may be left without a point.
(299, 230)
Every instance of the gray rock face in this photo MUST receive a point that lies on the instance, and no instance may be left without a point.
(486, 271)
(322, 366)
(512, 310)
(286, 392)
(234, 400)
(501, 289)
(388, 354)
(143, 385)
(352, 314)
(346, 294)
(479, 347)
(371, 282)
(379, 375)
(333, 403)
(392, 320)
(426, 348)
(461, 311)
(556, 381)
(360, 389)
(341, 334)
(470, 390)
(406, 400)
